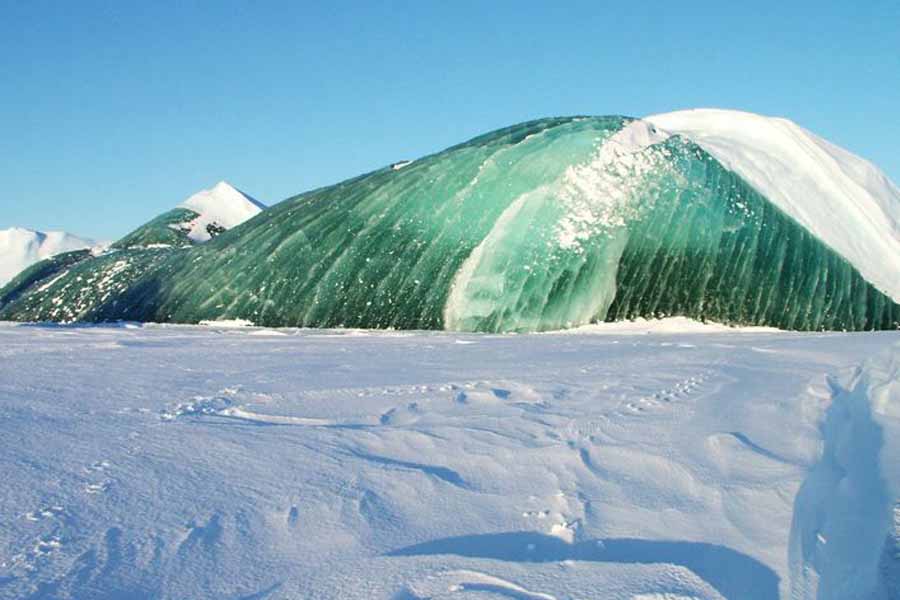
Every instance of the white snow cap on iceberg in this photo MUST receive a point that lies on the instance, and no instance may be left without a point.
(221, 205)
(20, 248)
(842, 199)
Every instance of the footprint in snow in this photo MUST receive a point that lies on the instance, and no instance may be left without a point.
(98, 488)
(43, 549)
(293, 516)
(98, 466)
(679, 391)
(44, 513)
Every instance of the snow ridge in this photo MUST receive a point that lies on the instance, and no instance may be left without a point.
(222, 206)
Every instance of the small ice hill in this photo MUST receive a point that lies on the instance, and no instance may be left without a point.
(712, 215)
(219, 208)
(198, 219)
(20, 248)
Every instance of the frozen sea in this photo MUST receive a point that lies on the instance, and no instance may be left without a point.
(642, 461)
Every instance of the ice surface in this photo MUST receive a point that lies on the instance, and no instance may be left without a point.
(690, 461)
(839, 197)
(545, 225)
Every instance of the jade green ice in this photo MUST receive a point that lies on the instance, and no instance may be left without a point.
(544, 225)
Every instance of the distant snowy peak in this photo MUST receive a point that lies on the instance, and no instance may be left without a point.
(20, 248)
(842, 199)
(219, 208)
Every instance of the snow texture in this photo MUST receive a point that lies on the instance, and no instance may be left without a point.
(223, 206)
(647, 461)
(842, 199)
(21, 248)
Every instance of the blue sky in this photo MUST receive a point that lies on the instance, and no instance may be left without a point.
(113, 112)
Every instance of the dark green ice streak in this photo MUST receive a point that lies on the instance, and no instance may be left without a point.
(384, 249)
(712, 248)
(376, 251)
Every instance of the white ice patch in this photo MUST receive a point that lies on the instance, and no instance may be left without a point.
(600, 193)
(50, 283)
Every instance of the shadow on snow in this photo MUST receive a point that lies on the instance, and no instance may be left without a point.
(733, 574)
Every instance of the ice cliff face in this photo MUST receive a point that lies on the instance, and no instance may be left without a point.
(544, 225)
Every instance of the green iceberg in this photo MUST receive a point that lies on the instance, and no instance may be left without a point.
(545, 225)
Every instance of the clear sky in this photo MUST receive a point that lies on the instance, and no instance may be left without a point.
(112, 112)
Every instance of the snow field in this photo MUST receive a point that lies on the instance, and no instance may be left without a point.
(174, 462)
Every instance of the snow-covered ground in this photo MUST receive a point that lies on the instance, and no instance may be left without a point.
(213, 462)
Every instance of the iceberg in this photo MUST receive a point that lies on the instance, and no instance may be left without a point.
(545, 225)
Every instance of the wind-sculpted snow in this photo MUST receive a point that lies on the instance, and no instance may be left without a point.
(545, 225)
(651, 461)
(846, 525)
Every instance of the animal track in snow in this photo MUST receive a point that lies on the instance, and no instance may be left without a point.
(539, 514)
(98, 466)
(208, 534)
(44, 548)
(679, 391)
(98, 488)
(44, 513)
(562, 516)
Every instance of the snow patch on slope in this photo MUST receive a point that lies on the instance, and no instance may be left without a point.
(842, 199)
(20, 248)
(221, 206)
